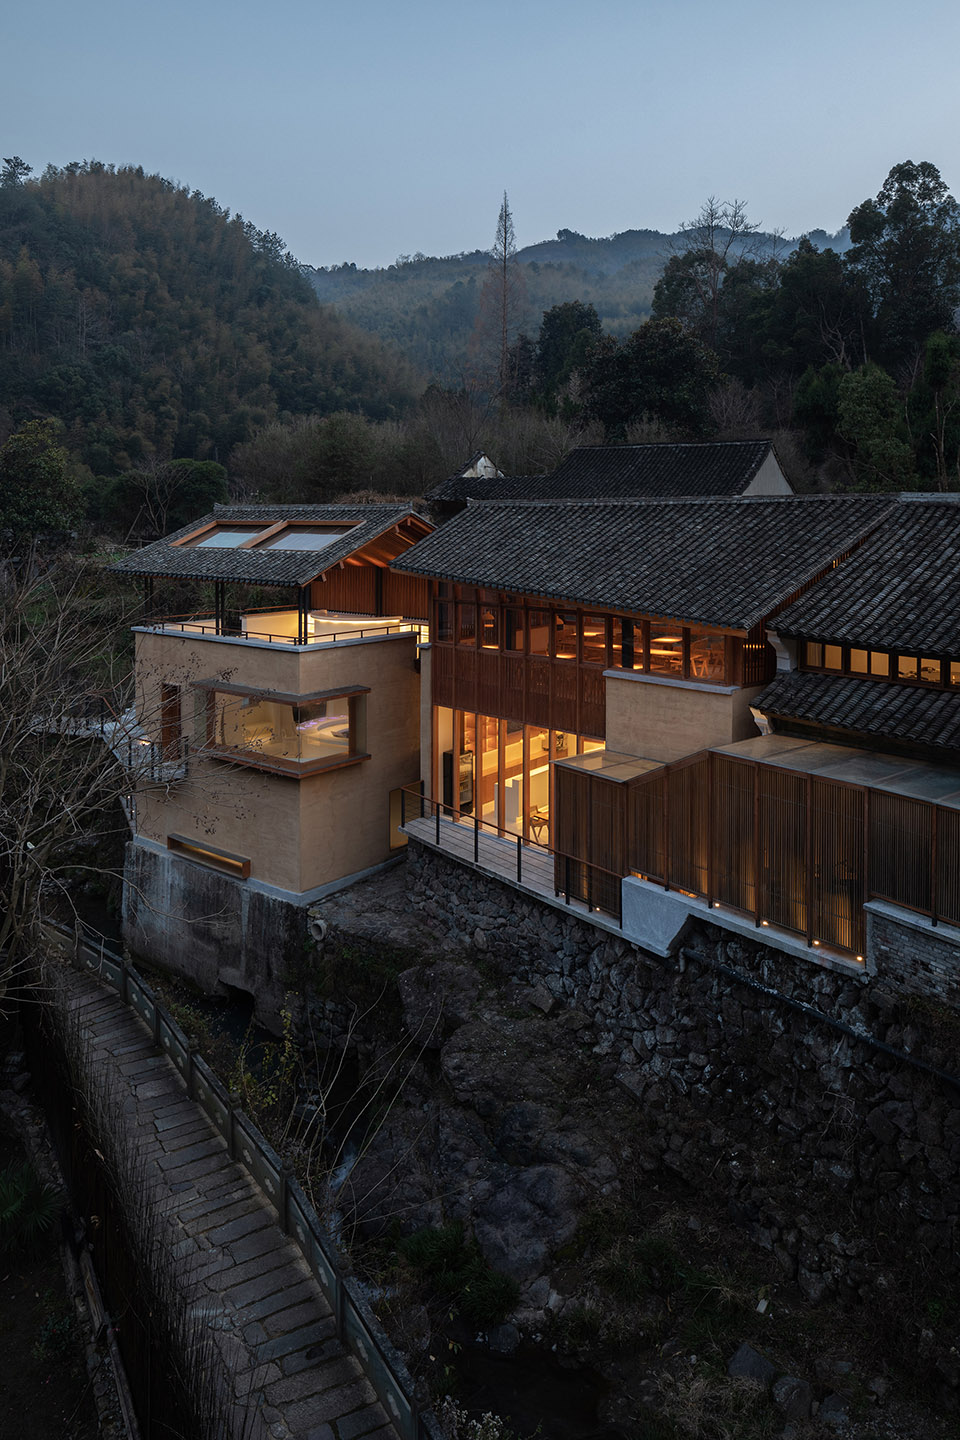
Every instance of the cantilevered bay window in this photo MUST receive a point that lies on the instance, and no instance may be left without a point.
(285, 734)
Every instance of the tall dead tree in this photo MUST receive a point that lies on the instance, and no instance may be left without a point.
(499, 310)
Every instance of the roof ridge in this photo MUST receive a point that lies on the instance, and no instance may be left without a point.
(636, 500)
(673, 445)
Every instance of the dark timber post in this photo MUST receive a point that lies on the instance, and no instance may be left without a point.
(934, 898)
(220, 606)
(377, 590)
(303, 610)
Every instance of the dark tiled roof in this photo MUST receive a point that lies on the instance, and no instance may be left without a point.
(729, 563)
(871, 708)
(264, 567)
(900, 591)
(625, 472)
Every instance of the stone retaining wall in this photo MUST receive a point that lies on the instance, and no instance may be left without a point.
(832, 1152)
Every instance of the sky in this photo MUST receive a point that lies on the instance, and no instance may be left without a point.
(362, 131)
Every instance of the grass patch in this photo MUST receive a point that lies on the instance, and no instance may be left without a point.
(456, 1270)
(364, 975)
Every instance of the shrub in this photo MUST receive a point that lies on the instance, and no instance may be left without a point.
(28, 1208)
(457, 1270)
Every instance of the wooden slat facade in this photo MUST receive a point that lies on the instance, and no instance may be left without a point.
(484, 658)
(352, 589)
(551, 694)
(787, 849)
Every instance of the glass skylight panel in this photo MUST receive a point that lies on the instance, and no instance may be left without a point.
(301, 538)
(226, 537)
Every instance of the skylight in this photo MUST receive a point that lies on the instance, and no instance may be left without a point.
(303, 537)
(224, 537)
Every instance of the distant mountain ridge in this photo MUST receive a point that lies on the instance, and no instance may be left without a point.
(426, 305)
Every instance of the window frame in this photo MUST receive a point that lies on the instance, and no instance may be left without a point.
(296, 769)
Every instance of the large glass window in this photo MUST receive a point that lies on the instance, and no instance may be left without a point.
(565, 634)
(445, 621)
(282, 733)
(539, 623)
(467, 626)
(513, 627)
(593, 640)
(666, 650)
(490, 627)
(707, 657)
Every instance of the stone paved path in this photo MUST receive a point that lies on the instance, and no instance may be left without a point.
(273, 1327)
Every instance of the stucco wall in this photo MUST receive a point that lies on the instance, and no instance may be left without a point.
(666, 720)
(769, 479)
(297, 834)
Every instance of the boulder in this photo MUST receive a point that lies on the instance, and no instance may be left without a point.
(525, 1216)
(834, 1412)
(749, 1364)
(793, 1398)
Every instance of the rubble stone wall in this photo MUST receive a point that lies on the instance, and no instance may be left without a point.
(791, 1082)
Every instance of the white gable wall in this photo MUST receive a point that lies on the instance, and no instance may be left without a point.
(769, 479)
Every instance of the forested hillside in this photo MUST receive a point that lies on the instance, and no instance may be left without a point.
(428, 307)
(152, 324)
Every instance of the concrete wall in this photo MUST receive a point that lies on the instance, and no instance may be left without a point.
(836, 1157)
(664, 719)
(210, 928)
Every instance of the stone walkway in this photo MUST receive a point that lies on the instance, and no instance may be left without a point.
(273, 1326)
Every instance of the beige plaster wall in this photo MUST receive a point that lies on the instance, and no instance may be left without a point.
(345, 814)
(181, 660)
(426, 721)
(297, 834)
(667, 722)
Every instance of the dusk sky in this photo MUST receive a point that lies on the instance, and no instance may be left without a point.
(363, 131)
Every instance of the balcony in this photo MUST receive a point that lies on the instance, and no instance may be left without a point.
(588, 890)
(289, 628)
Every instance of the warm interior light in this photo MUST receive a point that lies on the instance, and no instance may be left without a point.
(860, 957)
(668, 639)
(764, 922)
(816, 942)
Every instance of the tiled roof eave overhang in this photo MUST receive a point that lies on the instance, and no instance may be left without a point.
(735, 616)
(583, 602)
(898, 592)
(165, 559)
(875, 708)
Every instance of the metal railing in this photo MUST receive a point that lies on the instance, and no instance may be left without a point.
(207, 625)
(573, 879)
(356, 1324)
